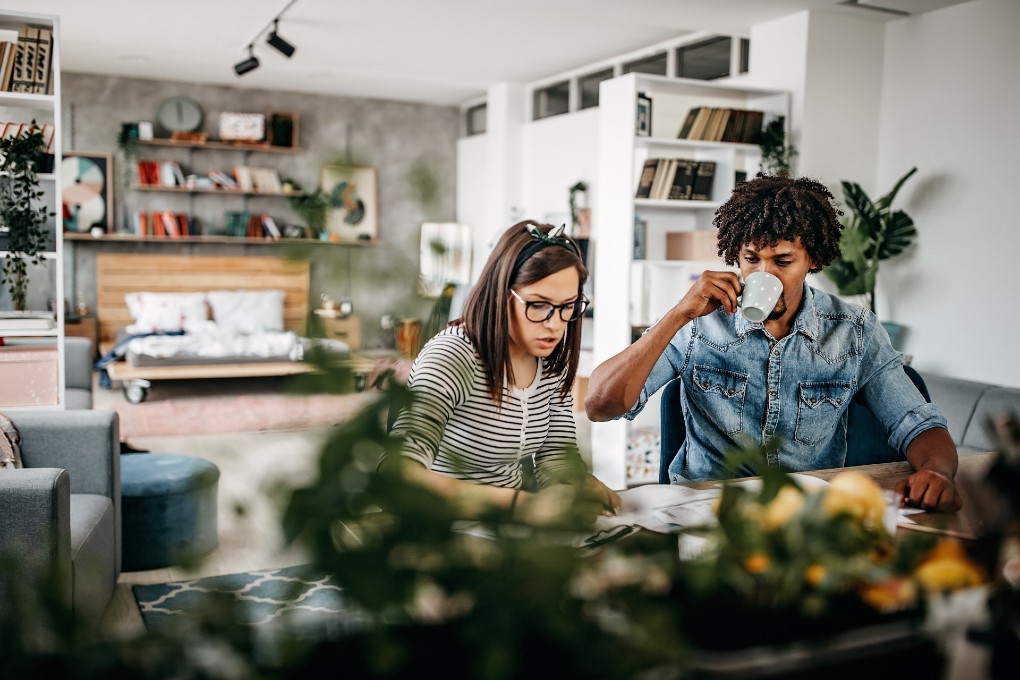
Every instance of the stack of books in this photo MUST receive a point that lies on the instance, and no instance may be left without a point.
(27, 321)
(714, 124)
(677, 179)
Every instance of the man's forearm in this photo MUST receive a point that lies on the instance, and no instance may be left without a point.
(934, 450)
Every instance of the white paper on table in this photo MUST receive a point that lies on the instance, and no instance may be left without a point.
(664, 508)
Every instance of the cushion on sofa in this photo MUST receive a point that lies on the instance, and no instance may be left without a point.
(956, 399)
(92, 541)
(994, 401)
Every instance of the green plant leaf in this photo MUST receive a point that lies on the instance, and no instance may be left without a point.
(900, 234)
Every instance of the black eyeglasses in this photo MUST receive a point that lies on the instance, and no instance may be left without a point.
(537, 312)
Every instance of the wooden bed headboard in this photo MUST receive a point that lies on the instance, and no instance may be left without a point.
(118, 274)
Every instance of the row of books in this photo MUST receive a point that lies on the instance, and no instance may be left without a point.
(168, 173)
(681, 179)
(163, 224)
(252, 225)
(27, 65)
(715, 124)
(14, 130)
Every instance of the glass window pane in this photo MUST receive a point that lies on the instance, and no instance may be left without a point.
(655, 64)
(552, 100)
(589, 87)
(745, 55)
(705, 60)
(476, 119)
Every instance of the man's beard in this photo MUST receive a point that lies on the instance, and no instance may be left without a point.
(778, 310)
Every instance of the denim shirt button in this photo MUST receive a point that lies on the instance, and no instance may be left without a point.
(774, 393)
(732, 392)
(839, 402)
(812, 401)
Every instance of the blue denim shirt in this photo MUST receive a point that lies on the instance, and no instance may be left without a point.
(742, 387)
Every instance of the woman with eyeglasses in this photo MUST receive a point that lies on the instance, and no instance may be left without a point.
(492, 390)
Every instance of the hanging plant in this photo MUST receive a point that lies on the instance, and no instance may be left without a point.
(23, 222)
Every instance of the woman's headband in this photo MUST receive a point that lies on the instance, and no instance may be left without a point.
(555, 237)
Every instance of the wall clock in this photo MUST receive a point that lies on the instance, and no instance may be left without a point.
(180, 114)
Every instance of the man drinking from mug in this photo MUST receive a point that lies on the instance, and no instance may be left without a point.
(790, 376)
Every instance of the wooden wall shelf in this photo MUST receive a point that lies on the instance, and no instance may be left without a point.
(220, 146)
(234, 240)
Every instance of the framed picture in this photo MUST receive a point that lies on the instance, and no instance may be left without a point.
(644, 115)
(87, 191)
(353, 215)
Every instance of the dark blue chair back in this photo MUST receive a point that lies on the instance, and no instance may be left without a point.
(865, 437)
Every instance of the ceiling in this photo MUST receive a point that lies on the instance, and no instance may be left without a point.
(434, 51)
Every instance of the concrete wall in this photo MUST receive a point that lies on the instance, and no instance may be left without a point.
(389, 136)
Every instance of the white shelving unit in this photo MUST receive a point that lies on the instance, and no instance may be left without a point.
(32, 361)
(628, 291)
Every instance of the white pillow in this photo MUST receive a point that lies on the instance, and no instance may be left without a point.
(247, 311)
(154, 312)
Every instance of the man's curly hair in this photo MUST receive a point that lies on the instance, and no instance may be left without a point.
(773, 208)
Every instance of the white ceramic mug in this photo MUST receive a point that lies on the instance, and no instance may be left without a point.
(761, 293)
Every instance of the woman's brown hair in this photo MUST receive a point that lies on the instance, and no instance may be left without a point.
(520, 258)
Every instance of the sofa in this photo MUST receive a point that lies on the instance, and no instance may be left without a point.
(60, 514)
(967, 405)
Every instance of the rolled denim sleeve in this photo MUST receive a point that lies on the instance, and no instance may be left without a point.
(892, 396)
(666, 368)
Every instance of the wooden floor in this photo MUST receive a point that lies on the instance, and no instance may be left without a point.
(251, 467)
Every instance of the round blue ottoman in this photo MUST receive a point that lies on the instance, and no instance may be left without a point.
(168, 509)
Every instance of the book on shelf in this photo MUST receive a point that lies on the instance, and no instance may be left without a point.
(644, 189)
(685, 127)
(42, 67)
(236, 222)
(683, 180)
(5, 47)
(24, 58)
(269, 225)
(27, 321)
(700, 123)
(704, 177)
(663, 178)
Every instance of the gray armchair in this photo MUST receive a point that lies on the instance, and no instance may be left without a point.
(78, 372)
(60, 514)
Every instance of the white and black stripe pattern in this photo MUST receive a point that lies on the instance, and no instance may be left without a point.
(454, 427)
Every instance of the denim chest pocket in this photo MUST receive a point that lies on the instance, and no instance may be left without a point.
(720, 395)
(818, 409)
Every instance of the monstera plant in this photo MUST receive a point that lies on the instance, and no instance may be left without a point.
(872, 232)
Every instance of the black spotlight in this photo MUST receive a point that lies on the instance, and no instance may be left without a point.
(279, 43)
(249, 64)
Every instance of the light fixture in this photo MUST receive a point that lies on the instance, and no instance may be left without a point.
(279, 43)
(249, 64)
(274, 39)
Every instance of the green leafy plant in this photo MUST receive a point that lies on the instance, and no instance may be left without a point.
(313, 207)
(776, 155)
(579, 188)
(23, 220)
(872, 232)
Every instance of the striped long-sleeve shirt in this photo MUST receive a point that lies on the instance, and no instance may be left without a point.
(454, 426)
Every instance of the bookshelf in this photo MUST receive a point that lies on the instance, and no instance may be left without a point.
(623, 305)
(32, 352)
(208, 232)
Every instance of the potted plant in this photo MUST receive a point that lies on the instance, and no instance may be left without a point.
(872, 232)
(23, 221)
(776, 155)
(580, 215)
(312, 207)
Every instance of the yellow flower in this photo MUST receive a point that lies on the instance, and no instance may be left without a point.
(856, 494)
(781, 509)
(814, 574)
(948, 567)
(890, 595)
(756, 563)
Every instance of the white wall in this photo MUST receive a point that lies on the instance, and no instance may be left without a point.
(950, 105)
(556, 153)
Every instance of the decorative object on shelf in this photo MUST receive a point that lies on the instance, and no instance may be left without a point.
(872, 232)
(580, 213)
(22, 219)
(242, 127)
(776, 155)
(640, 238)
(87, 194)
(283, 129)
(179, 114)
(644, 115)
(445, 256)
(145, 130)
(352, 194)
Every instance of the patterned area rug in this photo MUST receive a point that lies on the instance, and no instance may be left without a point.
(260, 598)
(238, 413)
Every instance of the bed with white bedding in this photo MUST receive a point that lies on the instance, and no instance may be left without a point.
(188, 317)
